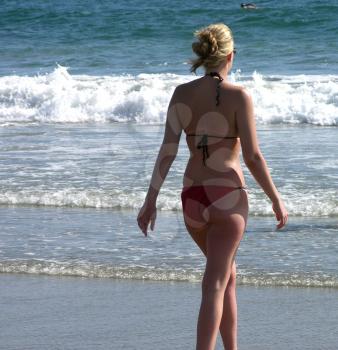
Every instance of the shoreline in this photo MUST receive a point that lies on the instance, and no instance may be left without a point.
(240, 282)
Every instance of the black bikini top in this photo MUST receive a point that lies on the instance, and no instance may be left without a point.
(204, 140)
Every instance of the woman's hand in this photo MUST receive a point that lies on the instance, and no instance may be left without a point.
(147, 214)
(280, 212)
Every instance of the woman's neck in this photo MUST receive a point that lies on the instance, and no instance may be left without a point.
(222, 72)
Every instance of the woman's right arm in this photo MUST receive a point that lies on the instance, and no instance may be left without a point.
(253, 157)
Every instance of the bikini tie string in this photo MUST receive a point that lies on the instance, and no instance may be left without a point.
(204, 145)
(220, 79)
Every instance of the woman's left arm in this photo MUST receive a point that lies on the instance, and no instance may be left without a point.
(165, 158)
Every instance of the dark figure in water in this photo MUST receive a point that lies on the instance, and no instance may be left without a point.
(249, 5)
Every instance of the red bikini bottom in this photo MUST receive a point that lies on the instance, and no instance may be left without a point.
(193, 196)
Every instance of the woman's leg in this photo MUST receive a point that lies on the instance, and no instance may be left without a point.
(222, 243)
(218, 239)
(228, 326)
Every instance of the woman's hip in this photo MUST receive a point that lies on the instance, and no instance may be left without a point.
(214, 203)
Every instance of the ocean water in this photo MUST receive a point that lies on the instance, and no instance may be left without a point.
(84, 89)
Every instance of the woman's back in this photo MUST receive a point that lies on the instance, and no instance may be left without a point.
(199, 115)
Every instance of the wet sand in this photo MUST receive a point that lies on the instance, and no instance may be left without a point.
(46, 312)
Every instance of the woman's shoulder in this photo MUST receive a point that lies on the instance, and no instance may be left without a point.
(184, 90)
(237, 91)
(189, 84)
(233, 87)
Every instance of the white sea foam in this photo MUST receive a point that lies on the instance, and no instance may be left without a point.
(301, 99)
(91, 270)
(60, 97)
(310, 203)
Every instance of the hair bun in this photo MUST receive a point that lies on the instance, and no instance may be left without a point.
(214, 43)
(207, 44)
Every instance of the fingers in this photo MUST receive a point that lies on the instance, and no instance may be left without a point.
(152, 221)
(152, 224)
(142, 222)
(282, 221)
(145, 229)
(144, 218)
(280, 225)
(143, 225)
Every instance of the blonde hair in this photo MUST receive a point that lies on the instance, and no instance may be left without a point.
(215, 42)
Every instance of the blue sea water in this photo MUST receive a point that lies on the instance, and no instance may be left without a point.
(84, 89)
(115, 37)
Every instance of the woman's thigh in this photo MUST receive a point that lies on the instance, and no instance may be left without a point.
(200, 238)
(218, 229)
(222, 241)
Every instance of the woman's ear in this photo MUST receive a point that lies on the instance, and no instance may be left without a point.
(230, 57)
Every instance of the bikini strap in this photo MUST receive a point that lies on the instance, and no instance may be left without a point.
(220, 79)
(220, 137)
(203, 143)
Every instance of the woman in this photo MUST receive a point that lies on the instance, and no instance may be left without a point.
(218, 120)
